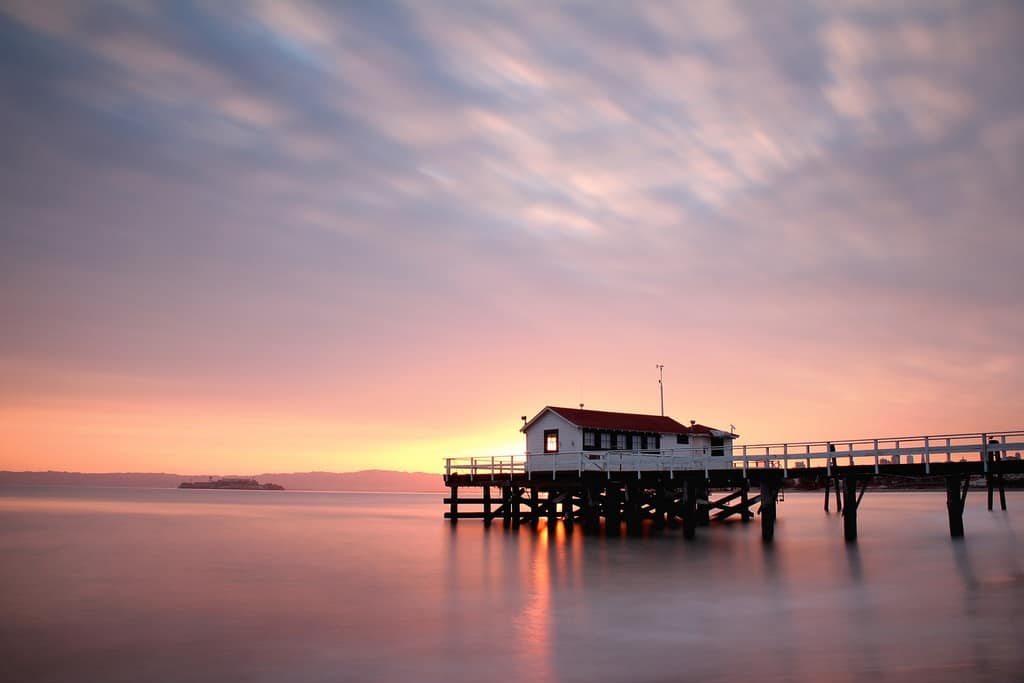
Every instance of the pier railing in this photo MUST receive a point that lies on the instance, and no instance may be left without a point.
(789, 456)
(926, 450)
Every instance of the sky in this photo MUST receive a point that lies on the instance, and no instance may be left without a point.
(268, 236)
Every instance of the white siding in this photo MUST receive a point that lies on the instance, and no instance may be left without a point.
(569, 437)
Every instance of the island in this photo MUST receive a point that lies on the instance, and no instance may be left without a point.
(231, 483)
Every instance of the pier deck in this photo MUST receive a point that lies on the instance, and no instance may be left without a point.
(674, 487)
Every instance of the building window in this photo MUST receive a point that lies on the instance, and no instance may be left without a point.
(606, 440)
(620, 441)
(588, 439)
(550, 440)
(652, 442)
(717, 445)
(682, 438)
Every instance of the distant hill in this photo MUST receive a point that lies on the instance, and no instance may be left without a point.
(365, 480)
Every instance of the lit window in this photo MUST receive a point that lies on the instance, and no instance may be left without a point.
(606, 440)
(550, 440)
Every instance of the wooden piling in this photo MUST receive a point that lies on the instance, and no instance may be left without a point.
(487, 506)
(589, 509)
(769, 499)
(506, 506)
(632, 508)
(745, 502)
(704, 503)
(994, 477)
(690, 510)
(453, 505)
(517, 499)
(955, 500)
(660, 506)
(613, 509)
(850, 508)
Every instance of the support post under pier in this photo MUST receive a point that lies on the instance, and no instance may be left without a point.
(506, 506)
(745, 503)
(487, 506)
(613, 509)
(850, 508)
(453, 509)
(769, 499)
(690, 509)
(956, 497)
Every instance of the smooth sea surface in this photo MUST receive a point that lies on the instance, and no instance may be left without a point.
(177, 585)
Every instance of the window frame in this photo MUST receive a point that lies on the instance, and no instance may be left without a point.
(548, 433)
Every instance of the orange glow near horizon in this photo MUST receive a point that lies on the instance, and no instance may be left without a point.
(111, 436)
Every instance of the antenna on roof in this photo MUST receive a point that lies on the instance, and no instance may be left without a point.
(661, 388)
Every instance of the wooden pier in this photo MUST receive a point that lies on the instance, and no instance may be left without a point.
(688, 489)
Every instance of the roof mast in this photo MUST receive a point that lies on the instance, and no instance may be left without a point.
(661, 388)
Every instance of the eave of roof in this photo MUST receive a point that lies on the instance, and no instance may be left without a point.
(626, 422)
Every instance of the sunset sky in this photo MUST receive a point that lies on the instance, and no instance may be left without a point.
(284, 237)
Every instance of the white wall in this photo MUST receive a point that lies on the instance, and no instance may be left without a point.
(570, 438)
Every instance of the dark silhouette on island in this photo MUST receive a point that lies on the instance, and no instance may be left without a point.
(237, 483)
(364, 480)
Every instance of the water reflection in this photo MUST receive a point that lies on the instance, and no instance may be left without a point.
(328, 590)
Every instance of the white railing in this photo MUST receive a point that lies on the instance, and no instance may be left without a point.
(974, 447)
(926, 450)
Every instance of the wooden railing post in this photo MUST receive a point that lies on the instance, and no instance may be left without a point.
(984, 451)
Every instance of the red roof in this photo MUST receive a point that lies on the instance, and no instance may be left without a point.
(627, 422)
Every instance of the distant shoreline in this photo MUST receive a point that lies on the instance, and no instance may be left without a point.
(365, 481)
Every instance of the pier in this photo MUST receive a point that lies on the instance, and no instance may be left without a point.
(690, 487)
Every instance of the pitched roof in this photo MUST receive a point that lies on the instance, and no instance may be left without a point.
(627, 422)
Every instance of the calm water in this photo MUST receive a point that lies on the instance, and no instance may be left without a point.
(168, 585)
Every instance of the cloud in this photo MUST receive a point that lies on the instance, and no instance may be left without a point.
(320, 191)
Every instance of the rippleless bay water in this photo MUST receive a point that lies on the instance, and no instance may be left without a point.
(169, 585)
